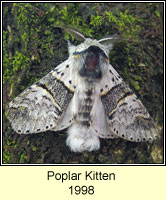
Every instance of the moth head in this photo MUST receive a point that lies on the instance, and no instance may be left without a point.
(91, 57)
(105, 44)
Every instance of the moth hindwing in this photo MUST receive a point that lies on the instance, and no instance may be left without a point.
(87, 96)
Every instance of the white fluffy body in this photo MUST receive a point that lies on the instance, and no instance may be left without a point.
(82, 139)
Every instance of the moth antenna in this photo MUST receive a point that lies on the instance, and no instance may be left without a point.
(108, 41)
(73, 31)
(108, 38)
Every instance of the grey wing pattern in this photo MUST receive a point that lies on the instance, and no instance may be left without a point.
(41, 107)
(126, 115)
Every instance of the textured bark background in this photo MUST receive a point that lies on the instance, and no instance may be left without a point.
(33, 46)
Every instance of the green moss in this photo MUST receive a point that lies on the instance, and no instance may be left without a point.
(22, 157)
(135, 84)
(157, 154)
(7, 156)
(125, 23)
(91, 159)
(68, 15)
(34, 148)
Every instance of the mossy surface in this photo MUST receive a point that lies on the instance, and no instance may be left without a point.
(33, 46)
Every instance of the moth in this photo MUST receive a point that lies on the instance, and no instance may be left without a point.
(86, 96)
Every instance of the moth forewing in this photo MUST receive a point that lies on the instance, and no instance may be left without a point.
(40, 107)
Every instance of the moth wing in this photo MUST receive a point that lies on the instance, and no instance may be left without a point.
(126, 115)
(42, 106)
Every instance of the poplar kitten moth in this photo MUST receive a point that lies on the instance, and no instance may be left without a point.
(86, 96)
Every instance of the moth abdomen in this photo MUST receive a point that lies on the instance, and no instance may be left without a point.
(86, 108)
(85, 123)
(89, 93)
(84, 115)
(88, 101)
